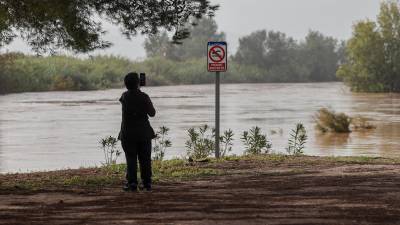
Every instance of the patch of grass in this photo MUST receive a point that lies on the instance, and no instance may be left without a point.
(91, 182)
(114, 169)
(231, 158)
(102, 177)
(22, 186)
(175, 170)
(274, 158)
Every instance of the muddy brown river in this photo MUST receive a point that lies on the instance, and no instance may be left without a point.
(56, 130)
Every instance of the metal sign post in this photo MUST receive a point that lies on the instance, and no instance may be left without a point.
(217, 113)
(217, 62)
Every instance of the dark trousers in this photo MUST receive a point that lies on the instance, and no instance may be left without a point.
(135, 150)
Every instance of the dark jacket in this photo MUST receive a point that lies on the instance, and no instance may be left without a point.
(136, 109)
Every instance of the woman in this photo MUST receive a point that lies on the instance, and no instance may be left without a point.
(136, 132)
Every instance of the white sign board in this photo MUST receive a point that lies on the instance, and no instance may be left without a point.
(217, 55)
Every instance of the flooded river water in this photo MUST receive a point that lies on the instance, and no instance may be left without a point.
(55, 130)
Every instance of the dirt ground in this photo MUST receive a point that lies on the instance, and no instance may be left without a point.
(249, 194)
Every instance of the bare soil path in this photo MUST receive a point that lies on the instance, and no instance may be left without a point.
(251, 193)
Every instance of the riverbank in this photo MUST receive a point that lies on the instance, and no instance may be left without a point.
(26, 73)
(269, 189)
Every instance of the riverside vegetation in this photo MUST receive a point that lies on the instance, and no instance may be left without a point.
(261, 57)
(297, 140)
(373, 53)
(200, 144)
(168, 170)
(199, 148)
(111, 173)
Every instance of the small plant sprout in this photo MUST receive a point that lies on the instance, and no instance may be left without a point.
(109, 147)
(200, 144)
(226, 141)
(161, 143)
(255, 142)
(297, 140)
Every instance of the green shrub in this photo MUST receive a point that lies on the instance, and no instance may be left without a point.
(297, 140)
(226, 142)
(255, 142)
(201, 143)
(161, 143)
(110, 150)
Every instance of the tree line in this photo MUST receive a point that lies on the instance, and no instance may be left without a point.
(261, 57)
(368, 62)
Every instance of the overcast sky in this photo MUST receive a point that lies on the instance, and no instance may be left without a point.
(241, 17)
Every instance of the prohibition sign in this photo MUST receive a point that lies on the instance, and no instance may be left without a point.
(216, 54)
(217, 62)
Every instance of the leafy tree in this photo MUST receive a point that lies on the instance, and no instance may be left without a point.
(341, 52)
(48, 25)
(251, 50)
(284, 59)
(205, 29)
(373, 53)
(280, 49)
(157, 44)
(265, 50)
(320, 55)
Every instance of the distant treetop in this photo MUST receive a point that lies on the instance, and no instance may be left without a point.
(373, 52)
(77, 25)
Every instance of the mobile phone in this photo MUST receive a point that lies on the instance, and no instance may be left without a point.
(142, 79)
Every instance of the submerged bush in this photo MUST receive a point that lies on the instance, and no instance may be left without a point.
(297, 140)
(361, 123)
(255, 142)
(329, 121)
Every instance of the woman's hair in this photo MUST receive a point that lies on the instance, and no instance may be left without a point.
(131, 81)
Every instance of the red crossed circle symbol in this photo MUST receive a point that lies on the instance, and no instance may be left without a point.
(216, 54)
